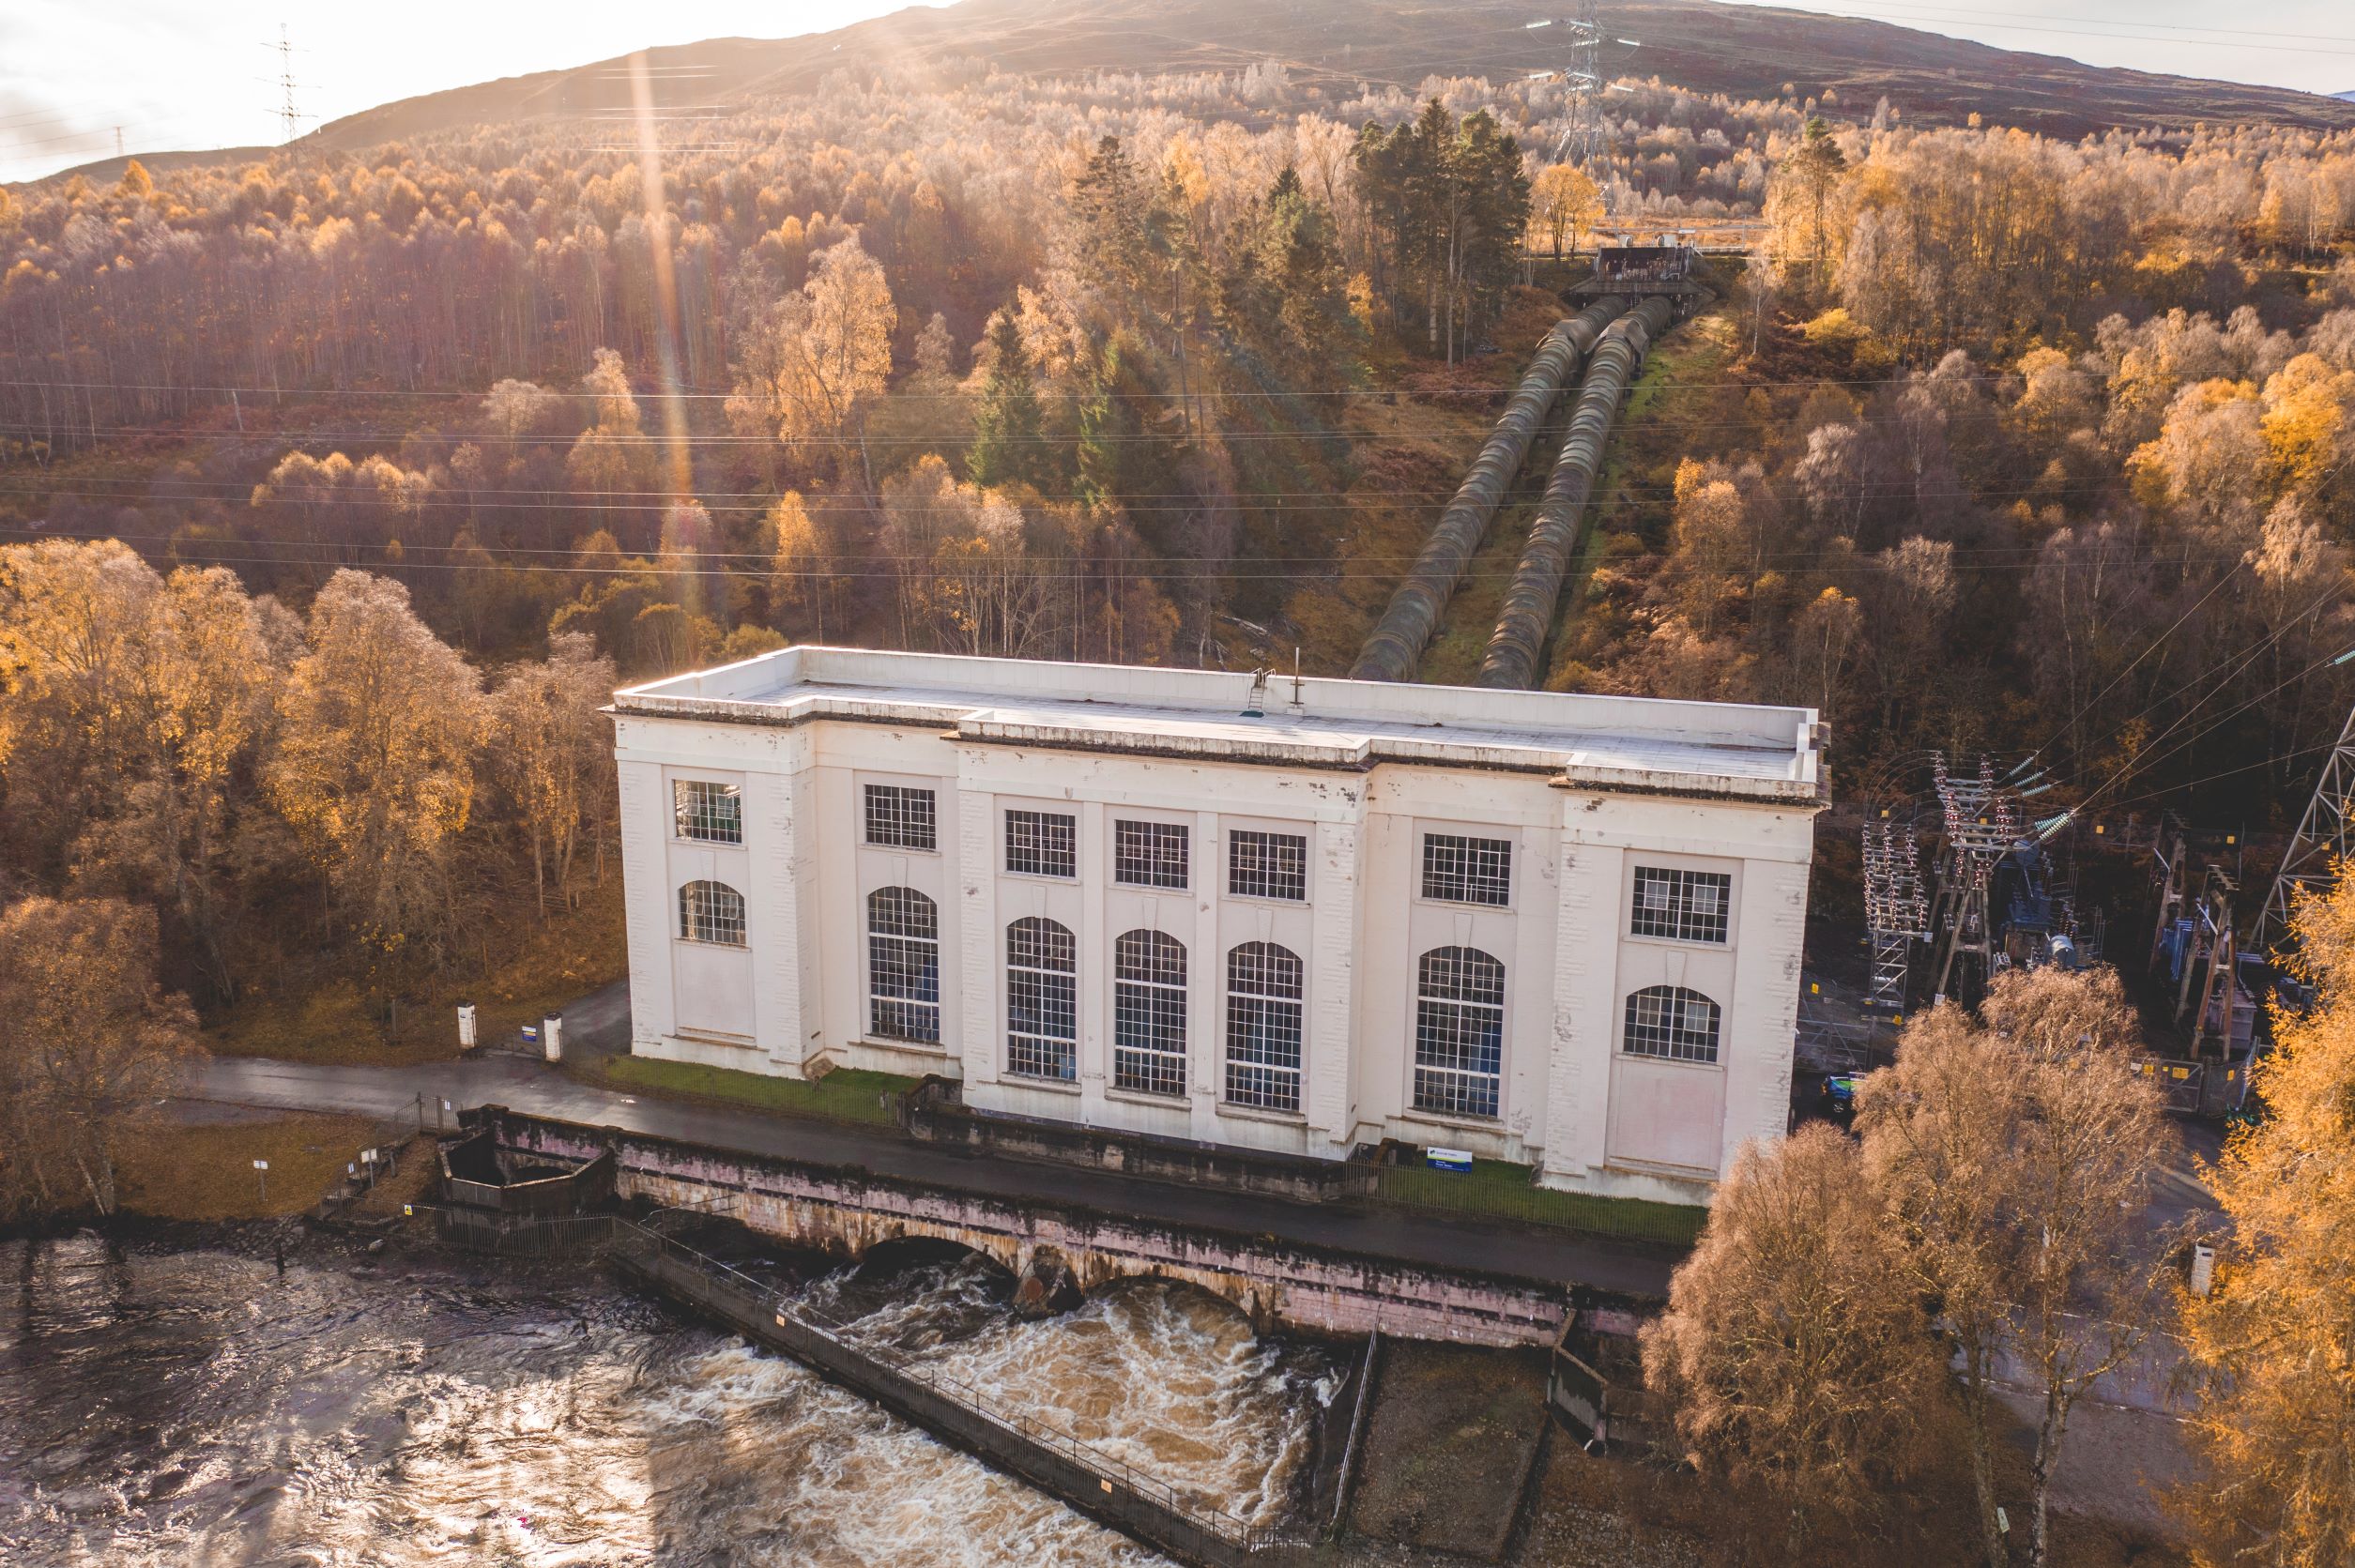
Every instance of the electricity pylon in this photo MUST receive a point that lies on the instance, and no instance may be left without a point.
(2323, 839)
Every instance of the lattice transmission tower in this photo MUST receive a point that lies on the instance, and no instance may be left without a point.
(1584, 138)
(1981, 822)
(289, 116)
(1896, 910)
(1583, 72)
(2323, 839)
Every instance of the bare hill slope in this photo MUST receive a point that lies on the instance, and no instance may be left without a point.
(1744, 50)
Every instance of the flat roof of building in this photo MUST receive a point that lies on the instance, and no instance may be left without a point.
(1628, 744)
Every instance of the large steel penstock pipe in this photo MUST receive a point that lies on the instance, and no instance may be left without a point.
(1518, 640)
(1396, 643)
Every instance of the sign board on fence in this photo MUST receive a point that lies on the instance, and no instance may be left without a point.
(1447, 1158)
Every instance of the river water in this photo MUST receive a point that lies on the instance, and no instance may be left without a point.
(194, 1406)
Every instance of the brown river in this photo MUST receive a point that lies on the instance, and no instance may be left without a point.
(195, 1404)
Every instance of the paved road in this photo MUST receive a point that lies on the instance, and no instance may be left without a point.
(523, 1085)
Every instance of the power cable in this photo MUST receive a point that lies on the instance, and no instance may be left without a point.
(2150, 754)
(2149, 758)
(2152, 648)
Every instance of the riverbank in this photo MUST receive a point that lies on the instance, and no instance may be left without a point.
(195, 1162)
(172, 1392)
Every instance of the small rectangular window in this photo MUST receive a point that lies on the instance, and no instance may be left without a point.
(1042, 844)
(1686, 906)
(900, 817)
(714, 812)
(1149, 854)
(1462, 870)
(1267, 865)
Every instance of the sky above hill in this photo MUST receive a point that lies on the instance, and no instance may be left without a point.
(175, 73)
(2308, 45)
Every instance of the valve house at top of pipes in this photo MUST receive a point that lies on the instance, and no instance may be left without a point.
(1295, 916)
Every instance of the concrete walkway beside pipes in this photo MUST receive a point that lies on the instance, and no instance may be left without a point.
(1432, 1241)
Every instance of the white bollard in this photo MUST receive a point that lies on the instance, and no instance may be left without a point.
(552, 1038)
(466, 1027)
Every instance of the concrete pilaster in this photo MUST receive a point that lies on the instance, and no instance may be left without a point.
(977, 1038)
(1578, 1087)
(773, 919)
(1331, 1043)
(652, 903)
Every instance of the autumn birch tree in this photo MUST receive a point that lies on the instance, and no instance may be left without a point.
(821, 357)
(2015, 1156)
(552, 752)
(2275, 1340)
(375, 768)
(1562, 199)
(1795, 1353)
(90, 1043)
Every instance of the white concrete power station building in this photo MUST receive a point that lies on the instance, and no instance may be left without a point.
(1296, 917)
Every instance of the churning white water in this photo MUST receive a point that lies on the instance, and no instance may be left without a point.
(197, 1407)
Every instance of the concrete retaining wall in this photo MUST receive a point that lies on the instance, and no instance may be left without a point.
(1275, 1284)
(929, 1116)
(477, 1173)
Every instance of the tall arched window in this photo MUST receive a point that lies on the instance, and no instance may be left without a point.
(903, 962)
(1458, 1032)
(1264, 987)
(1672, 1023)
(1149, 1013)
(711, 912)
(1042, 1000)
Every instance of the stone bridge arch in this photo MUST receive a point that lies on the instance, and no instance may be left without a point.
(1275, 1284)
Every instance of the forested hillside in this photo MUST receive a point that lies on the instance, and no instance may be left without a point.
(1996, 441)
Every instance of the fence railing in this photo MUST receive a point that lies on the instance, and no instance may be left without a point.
(389, 1135)
(564, 1235)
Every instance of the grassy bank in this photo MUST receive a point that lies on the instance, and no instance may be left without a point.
(178, 1171)
(520, 974)
(1500, 1190)
(845, 1095)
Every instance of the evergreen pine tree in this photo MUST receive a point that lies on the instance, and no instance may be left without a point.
(1007, 429)
(1100, 433)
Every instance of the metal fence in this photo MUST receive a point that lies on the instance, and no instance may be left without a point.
(1455, 1193)
(386, 1140)
(2196, 1087)
(568, 1236)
